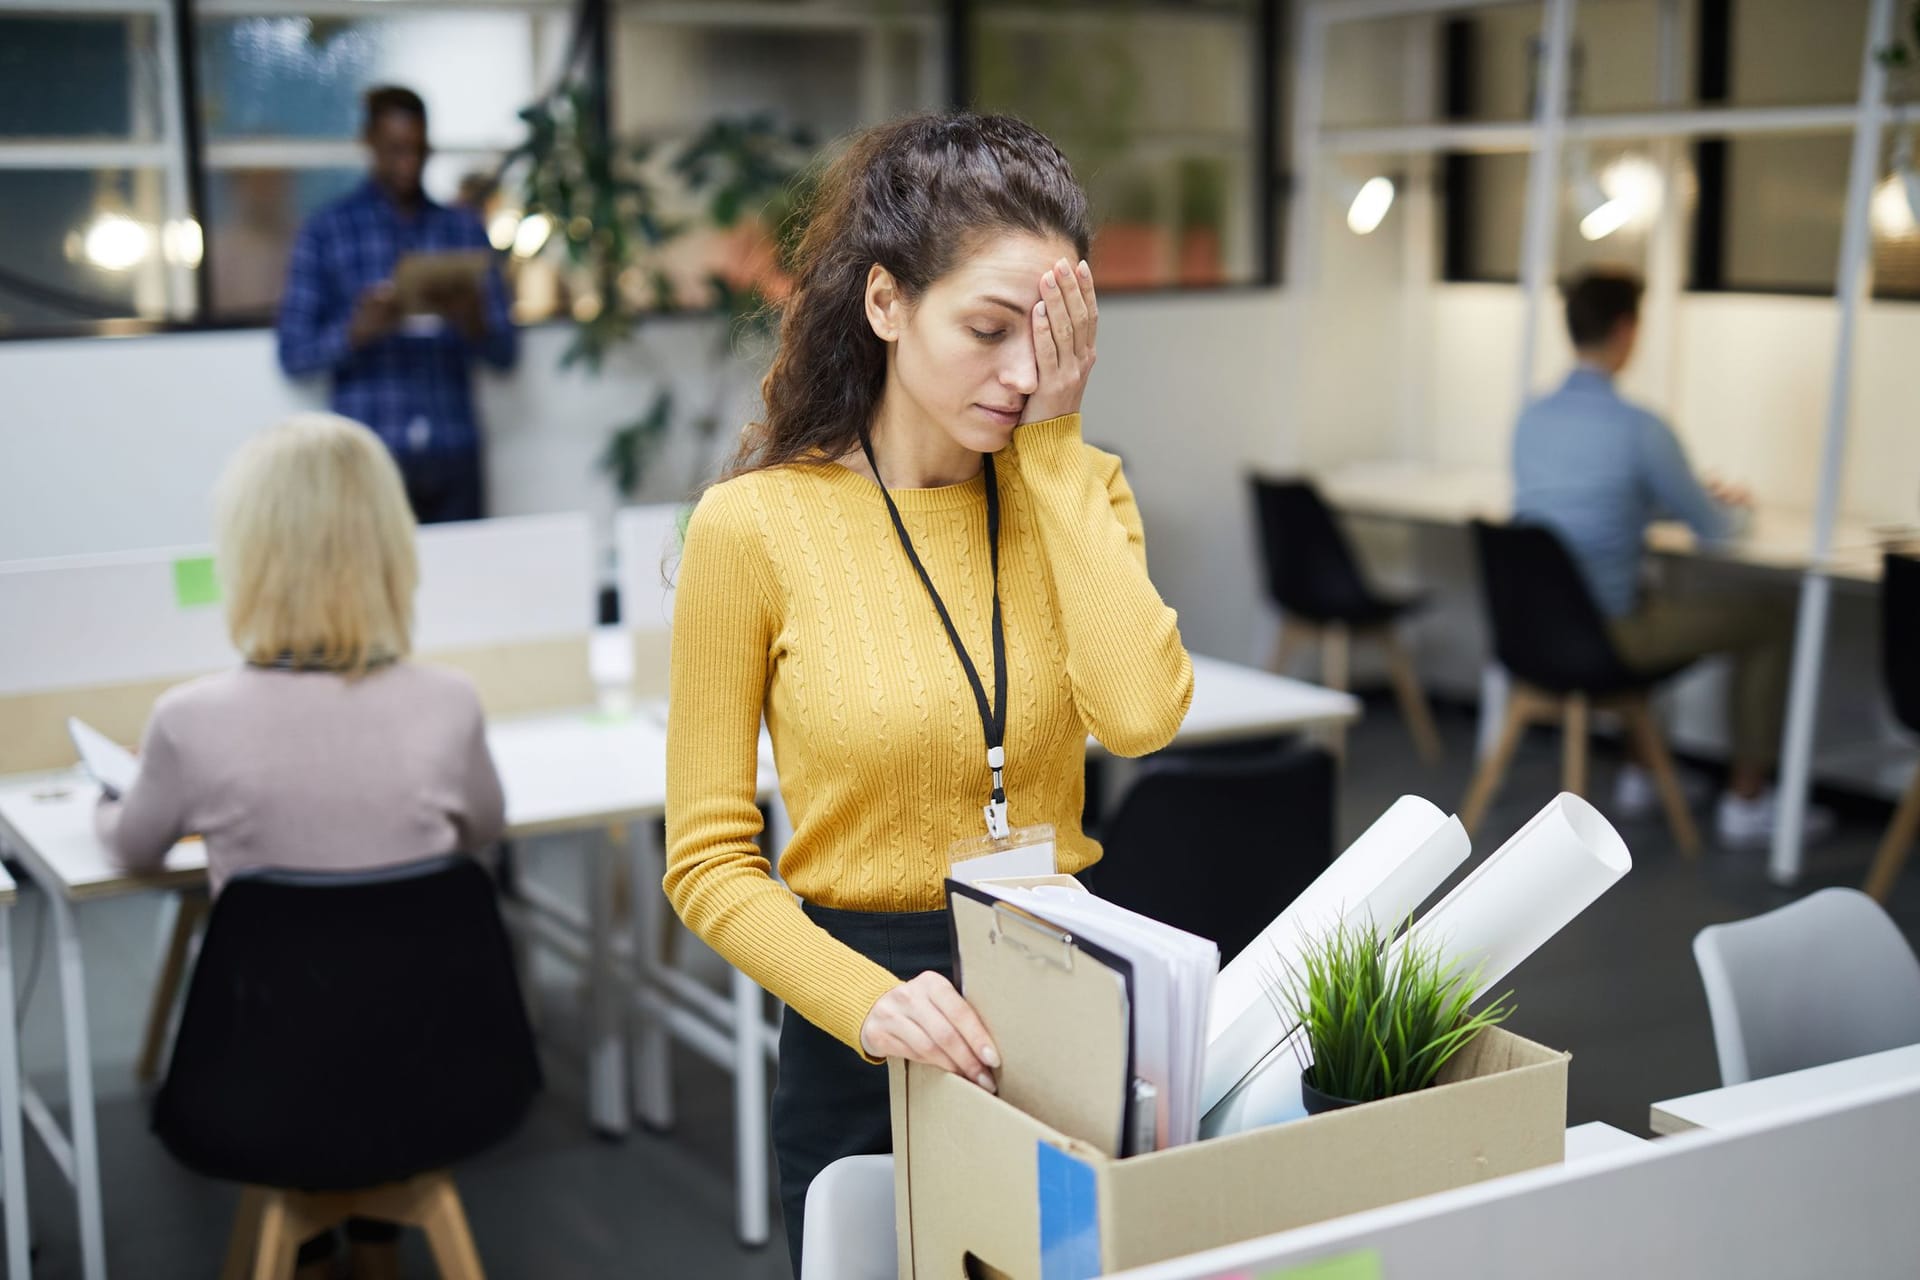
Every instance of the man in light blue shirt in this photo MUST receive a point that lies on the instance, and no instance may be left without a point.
(1597, 470)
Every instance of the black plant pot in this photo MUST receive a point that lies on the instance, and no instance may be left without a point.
(1318, 1103)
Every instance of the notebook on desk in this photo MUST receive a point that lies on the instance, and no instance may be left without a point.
(106, 761)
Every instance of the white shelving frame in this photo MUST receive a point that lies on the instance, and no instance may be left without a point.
(1543, 139)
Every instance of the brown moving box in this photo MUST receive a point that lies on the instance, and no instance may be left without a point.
(985, 1190)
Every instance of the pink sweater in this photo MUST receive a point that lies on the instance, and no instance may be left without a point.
(310, 770)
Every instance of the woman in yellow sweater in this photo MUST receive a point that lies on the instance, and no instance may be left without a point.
(916, 571)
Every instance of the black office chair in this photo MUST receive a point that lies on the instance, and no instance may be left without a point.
(1552, 639)
(1900, 658)
(1313, 577)
(347, 1037)
(1219, 847)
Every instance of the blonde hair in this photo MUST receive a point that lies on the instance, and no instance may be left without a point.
(315, 547)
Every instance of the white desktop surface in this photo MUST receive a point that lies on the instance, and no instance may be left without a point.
(1235, 701)
(1757, 1099)
(581, 769)
(48, 821)
(1779, 537)
(560, 772)
(1585, 1141)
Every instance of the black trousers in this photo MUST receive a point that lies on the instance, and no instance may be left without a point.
(445, 485)
(830, 1102)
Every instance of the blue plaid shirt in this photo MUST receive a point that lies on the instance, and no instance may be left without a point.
(415, 391)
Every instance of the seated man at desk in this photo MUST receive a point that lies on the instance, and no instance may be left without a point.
(1598, 470)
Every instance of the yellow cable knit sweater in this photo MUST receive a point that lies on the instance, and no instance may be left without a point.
(796, 600)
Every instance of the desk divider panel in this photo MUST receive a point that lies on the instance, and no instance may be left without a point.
(647, 539)
(1826, 1189)
(508, 601)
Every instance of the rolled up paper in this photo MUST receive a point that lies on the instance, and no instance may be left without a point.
(1527, 890)
(1384, 875)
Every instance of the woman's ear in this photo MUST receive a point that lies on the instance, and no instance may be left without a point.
(886, 307)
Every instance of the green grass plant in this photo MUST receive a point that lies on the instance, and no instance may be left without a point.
(1381, 1019)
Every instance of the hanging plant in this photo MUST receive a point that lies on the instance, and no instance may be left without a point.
(1902, 57)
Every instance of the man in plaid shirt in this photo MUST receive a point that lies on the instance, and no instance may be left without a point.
(408, 378)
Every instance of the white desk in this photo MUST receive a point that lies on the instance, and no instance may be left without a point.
(1233, 701)
(571, 771)
(1758, 1099)
(1585, 1141)
(1779, 537)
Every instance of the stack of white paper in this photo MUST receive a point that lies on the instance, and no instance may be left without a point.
(1384, 876)
(1173, 975)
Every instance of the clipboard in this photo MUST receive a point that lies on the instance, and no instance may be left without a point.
(1060, 1010)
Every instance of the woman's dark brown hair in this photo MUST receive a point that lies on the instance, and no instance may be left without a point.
(914, 196)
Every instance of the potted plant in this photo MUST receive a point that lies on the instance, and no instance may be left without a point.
(1380, 1020)
(649, 227)
(1203, 220)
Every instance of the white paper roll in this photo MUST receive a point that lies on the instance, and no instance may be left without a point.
(1269, 1095)
(1529, 889)
(1384, 875)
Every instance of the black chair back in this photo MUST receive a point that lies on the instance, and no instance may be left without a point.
(1219, 847)
(1547, 630)
(1900, 636)
(348, 1030)
(1311, 571)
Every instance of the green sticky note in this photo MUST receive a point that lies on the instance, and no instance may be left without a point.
(194, 583)
(1363, 1265)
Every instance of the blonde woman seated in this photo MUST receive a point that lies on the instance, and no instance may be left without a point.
(326, 750)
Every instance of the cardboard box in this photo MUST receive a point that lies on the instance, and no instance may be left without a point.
(985, 1190)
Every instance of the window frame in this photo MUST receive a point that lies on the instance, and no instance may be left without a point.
(188, 159)
(1705, 251)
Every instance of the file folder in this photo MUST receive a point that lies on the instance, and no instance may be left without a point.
(1059, 1008)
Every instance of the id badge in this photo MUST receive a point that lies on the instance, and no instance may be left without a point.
(1023, 851)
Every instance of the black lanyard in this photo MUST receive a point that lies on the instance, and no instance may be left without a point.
(993, 715)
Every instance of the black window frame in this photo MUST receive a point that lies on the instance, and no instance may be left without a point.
(957, 19)
(1706, 251)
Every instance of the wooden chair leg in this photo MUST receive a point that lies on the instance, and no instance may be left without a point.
(445, 1223)
(1573, 745)
(1659, 761)
(1897, 844)
(1336, 657)
(241, 1245)
(166, 988)
(278, 1243)
(1336, 672)
(1412, 698)
(1294, 636)
(432, 1203)
(1493, 770)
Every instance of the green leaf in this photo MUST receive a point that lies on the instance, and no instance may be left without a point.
(1380, 1020)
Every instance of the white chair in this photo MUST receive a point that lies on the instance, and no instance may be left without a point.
(849, 1232)
(1823, 979)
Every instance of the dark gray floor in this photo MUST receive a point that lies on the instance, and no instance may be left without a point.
(1618, 988)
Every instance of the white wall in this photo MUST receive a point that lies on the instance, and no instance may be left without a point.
(115, 443)
(112, 443)
(1750, 399)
